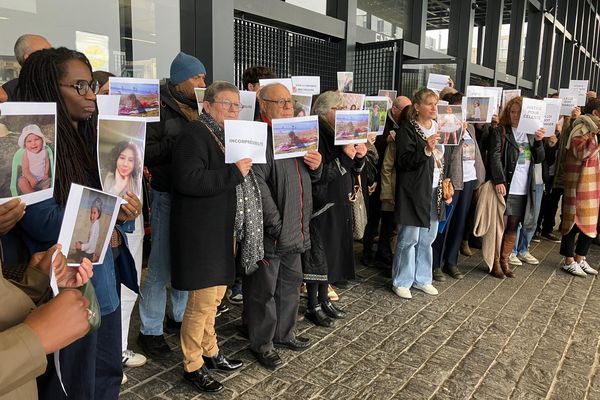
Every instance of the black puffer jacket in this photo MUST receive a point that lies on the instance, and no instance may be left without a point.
(286, 190)
(160, 138)
(503, 155)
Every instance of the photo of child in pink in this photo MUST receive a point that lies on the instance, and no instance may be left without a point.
(35, 165)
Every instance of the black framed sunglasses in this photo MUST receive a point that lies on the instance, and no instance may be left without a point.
(83, 87)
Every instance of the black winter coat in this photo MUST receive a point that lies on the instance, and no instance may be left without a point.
(285, 187)
(202, 211)
(160, 138)
(503, 155)
(414, 178)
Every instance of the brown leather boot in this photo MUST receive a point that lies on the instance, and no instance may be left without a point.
(508, 242)
(496, 271)
(465, 249)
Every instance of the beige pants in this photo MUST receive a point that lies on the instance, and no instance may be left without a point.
(198, 336)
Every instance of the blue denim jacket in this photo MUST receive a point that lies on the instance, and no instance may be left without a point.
(41, 226)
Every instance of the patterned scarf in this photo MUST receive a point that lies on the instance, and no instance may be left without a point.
(249, 213)
(438, 160)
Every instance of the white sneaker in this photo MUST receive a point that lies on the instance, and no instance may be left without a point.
(585, 267)
(514, 260)
(429, 289)
(402, 292)
(528, 258)
(575, 269)
(124, 379)
(132, 360)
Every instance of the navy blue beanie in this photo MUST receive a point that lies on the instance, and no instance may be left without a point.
(184, 67)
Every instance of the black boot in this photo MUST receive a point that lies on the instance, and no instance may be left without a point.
(318, 317)
(222, 363)
(202, 380)
(332, 311)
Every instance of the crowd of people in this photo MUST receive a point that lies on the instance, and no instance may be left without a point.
(262, 235)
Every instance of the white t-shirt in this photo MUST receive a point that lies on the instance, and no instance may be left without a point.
(520, 180)
(437, 170)
(468, 157)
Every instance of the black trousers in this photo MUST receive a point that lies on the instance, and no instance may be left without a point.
(572, 244)
(271, 297)
(386, 230)
(549, 209)
(373, 217)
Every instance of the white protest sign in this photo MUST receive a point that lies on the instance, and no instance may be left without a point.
(437, 82)
(533, 114)
(581, 86)
(199, 92)
(483, 91)
(108, 104)
(569, 100)
(287, 82)
(306, 84)
(552, 115)
(245, 139)
(248, 104)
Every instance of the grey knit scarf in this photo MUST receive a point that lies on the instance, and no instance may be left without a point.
(249, 213)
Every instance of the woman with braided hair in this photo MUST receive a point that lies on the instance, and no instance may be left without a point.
(90, 367)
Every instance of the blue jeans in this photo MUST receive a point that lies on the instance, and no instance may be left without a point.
(524, 236)
(414, 255)
(154, 291)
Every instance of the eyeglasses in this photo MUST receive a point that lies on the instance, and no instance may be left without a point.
(228, 105)
(83, 87)
(281, 102)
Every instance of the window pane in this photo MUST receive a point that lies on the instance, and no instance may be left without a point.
(389, 18)
(438, 17)
(319, 6)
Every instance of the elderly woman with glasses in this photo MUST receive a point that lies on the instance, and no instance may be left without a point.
(331, 257)
(210, 199)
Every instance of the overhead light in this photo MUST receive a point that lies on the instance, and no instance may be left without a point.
(4, 18)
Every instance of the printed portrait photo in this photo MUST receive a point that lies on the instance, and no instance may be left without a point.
(27, 158)
(345, 81)
(293, 137)
(477, 109)
(377, 107)
(121, 154)
(302, 104)
(351, 126)
(450, 124)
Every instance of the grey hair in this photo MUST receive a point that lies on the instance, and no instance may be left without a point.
(326, 101)
(22, 46)
(265, 89)
(217, 87)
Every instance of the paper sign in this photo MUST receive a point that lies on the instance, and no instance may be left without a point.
(287, 82)
(108, 104)
(450, 124)
(569, 100)
(306, 84)
(90, 216)
(479, 110)
(293, 137)
(351, 126)
(28, 141)
(345, 81)
(120, 147)
(248, 104)
(483, 91)
(437, 82)
(302, 104)
(390, 94)
(245, 139)
(581, 87)
(553, 107)
(353, 101)
(533, 114)
(199, 92)
(377, 107)
(139, 97)
(508, 95)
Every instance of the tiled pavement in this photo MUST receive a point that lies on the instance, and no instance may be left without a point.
(531, 337)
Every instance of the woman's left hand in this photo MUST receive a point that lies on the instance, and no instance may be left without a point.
(361, 150)
(66, 277)
(132, 209)
(539, 134)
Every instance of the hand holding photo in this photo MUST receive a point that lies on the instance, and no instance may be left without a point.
(345, 81)
(351, 126)
(121, 142)
(450, 124)
(90, 216)
(28, 143)
(294, 137)
(139, 97)
(245, 139)
(377, 106)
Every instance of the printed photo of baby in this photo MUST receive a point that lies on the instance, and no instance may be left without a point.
(35, 161)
